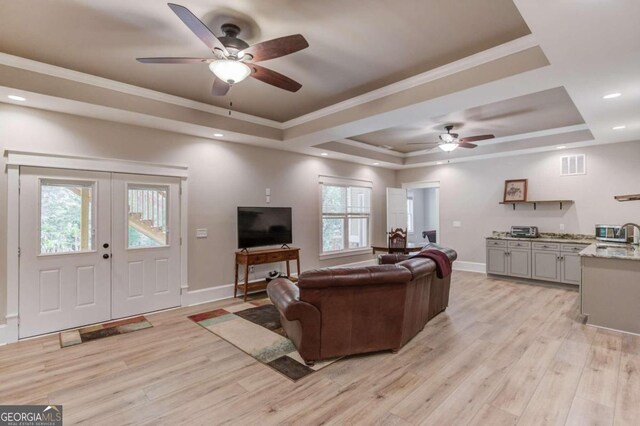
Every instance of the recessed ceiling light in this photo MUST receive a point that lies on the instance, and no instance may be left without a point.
(376, 164)
(218, 135)
(440, 162)
(324, 154)
(561, 147)
(612, 95)
(17, 98)
(619, 127)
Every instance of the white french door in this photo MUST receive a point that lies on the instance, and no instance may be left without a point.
(95, 246)
(65, 219)
(146, 244)
(396, 208)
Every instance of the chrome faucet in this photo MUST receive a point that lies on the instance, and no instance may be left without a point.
(618, 234)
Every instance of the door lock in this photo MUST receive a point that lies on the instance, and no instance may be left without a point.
(105, 245)
(105, 256)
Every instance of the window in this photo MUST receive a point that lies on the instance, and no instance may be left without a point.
(346, 213)
(147, 217)
(66, 217)
(410, 215)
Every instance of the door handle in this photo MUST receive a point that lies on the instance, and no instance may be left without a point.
(105, 256)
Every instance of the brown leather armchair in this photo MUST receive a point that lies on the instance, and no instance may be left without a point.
(343, 311)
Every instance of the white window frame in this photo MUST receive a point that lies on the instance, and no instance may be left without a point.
(347, 183)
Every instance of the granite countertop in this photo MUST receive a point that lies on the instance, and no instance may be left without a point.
(612, 251)
(548, 238)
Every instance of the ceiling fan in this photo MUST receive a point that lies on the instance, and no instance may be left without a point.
(450, 141)
(233, 58)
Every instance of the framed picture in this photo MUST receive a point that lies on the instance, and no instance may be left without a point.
(515, 190)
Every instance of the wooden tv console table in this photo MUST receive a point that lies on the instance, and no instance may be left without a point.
(260, 257)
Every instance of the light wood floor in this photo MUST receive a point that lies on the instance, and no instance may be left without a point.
(502, 353)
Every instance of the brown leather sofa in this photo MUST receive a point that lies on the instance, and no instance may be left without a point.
(335, 312)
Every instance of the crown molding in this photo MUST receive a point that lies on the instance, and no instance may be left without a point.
(129, 89)
(492, 54)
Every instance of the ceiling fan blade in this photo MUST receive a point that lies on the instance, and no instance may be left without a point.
(274, 78)
(174, 60)
(219, 88)
(276, 48)
(197, 27)
(476, 138)
(423, 143)
(467, 145)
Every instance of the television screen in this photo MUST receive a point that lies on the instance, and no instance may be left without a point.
(264, 226)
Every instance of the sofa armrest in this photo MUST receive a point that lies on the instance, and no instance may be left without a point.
(301, 320)
(391, 259)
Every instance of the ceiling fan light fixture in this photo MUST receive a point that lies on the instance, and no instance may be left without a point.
(447, 138)
(229, 70)
(448, 147)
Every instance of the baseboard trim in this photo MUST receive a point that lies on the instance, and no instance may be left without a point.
(3, 334)
(206, 295)
(470, 266)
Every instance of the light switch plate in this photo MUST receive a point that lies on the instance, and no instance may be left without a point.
(268, 199)
(202, 233)
(457, 224)
(267, 191)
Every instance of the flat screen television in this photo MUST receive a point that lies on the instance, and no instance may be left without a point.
(264, 226)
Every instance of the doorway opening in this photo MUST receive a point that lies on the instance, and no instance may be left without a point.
(423, 212)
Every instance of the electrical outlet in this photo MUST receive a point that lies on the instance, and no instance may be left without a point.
(457, 224)
(252, 269)
(562, 226)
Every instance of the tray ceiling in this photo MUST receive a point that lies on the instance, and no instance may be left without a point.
(544, 110)
(355, 46)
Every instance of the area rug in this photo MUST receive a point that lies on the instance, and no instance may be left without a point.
(99, 331)
(254, 328)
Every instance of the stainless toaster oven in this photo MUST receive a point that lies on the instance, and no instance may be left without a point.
(524, 231)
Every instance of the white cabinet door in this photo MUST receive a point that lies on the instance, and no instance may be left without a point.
(396, 208)
(519, 263)
(146, 244)
(64, 222)
(571, 268)
(497, 260)
(545, 265)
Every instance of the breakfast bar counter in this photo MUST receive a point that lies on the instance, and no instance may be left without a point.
(610, 292)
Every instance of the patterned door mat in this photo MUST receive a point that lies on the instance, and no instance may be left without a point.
(93, 332)
(255, 329)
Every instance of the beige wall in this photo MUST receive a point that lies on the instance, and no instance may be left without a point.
(470, 193)
(222, 176)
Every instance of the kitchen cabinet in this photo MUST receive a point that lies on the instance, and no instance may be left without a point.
(513, 259)
(539, 260)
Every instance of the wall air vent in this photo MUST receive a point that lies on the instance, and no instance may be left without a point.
(572, 165)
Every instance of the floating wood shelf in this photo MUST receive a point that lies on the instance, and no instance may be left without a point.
(632, 197)
(535, 203)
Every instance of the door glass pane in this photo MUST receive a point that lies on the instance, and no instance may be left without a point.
(66, 217)
(147, 216)
(358, 232)
(332, 234)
